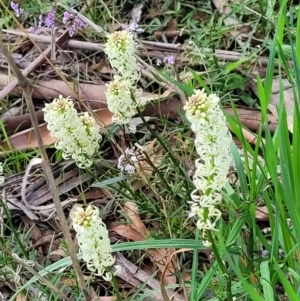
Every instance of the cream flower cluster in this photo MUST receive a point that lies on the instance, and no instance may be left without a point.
(123, 96)
(120, 51)
(93, 241)
(1, 172)
(212, 143)
(77, 137)
(122, 99)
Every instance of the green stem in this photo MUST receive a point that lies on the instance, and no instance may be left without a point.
(194, 270)
(116, 288)
(221, 264)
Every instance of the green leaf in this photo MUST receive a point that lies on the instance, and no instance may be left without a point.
(265, 281)
(236, 230)
(287, 286)
(110, 181)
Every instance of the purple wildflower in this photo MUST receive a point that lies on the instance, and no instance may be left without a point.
(15, 6)
(48, 20)
(133, 26)
(73, 22)
(71, 31)
(264, 254)
(66, 17)
(32, 30)
(170, 59)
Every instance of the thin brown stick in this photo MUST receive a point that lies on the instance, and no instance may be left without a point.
(47, 170)
(155, 49)
(40, 59)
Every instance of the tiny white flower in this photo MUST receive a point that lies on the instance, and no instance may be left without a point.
(207, 243)
(204, 200)
(206, 225)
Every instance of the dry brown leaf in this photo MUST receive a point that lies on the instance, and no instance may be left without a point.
(95, 297)
(132, 212)
(94, 194)
(250, 137)
(128, 232)
(155, 157)
(146, 169)
(57, 254)
(98, 298)
(261, 213)
(136, 277)
(251, 118)
(169, 265)
(49, 244)
(68, 281)
(288, 97)
(72, 282)
(21, 297)
(161, 257)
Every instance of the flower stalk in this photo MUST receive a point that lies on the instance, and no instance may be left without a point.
(212, 142)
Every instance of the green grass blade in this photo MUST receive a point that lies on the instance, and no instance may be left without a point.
(265, 281)
(205, 281)
(110, 181)
(235, 231)
(289, 291)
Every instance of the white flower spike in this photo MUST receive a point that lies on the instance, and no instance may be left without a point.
(93, 241)
(77, 137)
(119, 48)
(212, 143)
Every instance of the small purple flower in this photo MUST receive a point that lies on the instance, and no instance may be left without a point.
(15, 6)
(66, 17)
(264, 254)
(79, 23)
(48, 20)
(170, 59)
(73, 22)
(133, 26)
(32, 30)
(71, 31)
